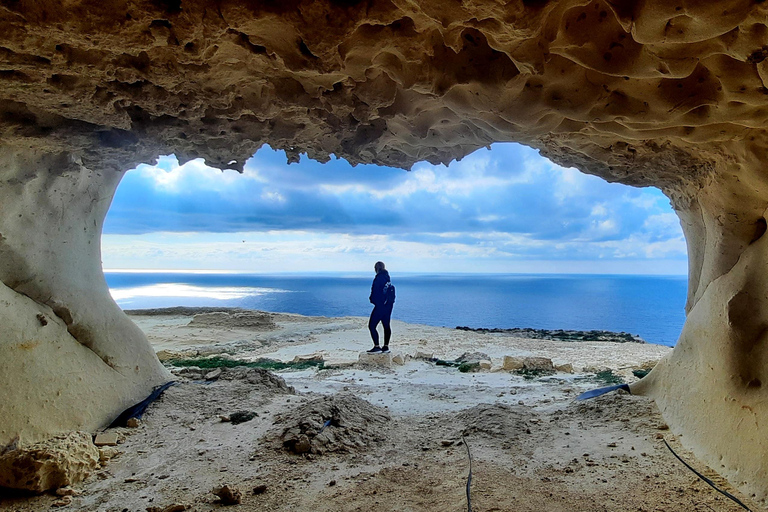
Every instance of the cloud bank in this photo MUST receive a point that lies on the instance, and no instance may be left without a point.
(499, 209)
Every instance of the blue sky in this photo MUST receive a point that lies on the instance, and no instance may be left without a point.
(504, 209)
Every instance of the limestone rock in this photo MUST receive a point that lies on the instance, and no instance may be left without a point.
(58, 462)
(564, 368)
(106, 439)
(512, 363)
(538, 363)
(398, 359)
(252, 320)
(67, 491)
(63, 502)
(228, 495)
(175, 507)
(108, 453)
(133, 422)
(376, 359)
(528, 363)
(213, 375)
(314, 358)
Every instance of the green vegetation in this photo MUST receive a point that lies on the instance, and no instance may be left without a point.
(608, 377)
(469, 367)
(640, 373)
(267, 364)
(241, 417)
(530, 374)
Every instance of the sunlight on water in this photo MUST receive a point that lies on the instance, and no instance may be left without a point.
(185, 290)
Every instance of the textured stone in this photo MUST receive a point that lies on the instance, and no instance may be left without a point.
(228, 495)
(213, 375)
(376, 359)
(538, 364)
(308, 358)
(527, 363)
(60, 461)
(512, 363)
(666, 94)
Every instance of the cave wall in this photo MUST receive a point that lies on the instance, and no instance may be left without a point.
(672, 94)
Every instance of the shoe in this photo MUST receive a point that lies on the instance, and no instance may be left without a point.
(385, 349)
(375, 350)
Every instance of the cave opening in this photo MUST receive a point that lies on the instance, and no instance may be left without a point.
(300, 238)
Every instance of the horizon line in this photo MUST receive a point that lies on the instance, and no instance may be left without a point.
(306, 272)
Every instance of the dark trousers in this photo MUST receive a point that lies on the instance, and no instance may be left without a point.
(380, 314)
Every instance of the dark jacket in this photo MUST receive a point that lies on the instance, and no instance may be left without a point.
(379, 287)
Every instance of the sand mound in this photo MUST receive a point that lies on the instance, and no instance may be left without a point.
(496, 420)
(256, 320)
(259, 377)
(336, 423)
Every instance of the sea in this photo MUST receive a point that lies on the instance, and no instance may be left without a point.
(649, 306)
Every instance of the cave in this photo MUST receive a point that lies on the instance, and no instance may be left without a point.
(666, 94)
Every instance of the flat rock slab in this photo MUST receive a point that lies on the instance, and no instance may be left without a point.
(105, 439)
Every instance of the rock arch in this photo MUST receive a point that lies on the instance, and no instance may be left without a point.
(663, 93)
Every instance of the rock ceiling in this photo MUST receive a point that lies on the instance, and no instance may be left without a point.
(645, 92)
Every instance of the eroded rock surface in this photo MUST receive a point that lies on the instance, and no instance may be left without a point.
(63, 460)
(663, 93)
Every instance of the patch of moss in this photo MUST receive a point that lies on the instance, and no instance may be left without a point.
(267, 364)
(241, 417)
(529, 374)
(608, 377)
(469, 367)
(640, 373)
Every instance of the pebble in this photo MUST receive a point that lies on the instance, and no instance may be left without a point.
(63, 502)
(67, 491)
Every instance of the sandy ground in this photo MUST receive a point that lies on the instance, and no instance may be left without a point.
(533, 447)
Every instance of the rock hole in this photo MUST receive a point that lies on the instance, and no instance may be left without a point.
(754, 383)
(160, 23)
(304, 49)
(170, 6)
(760, 228)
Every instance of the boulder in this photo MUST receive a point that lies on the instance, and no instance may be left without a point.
(60, 461)
(376, 359)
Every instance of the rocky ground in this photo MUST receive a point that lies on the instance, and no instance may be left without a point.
(379, 438)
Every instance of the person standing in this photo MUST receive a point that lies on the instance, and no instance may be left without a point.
(383, 299)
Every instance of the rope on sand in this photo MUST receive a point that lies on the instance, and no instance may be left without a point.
(469, 477)
(707, 480)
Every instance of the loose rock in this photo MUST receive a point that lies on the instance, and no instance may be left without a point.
(58, 462)
(228, 495)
